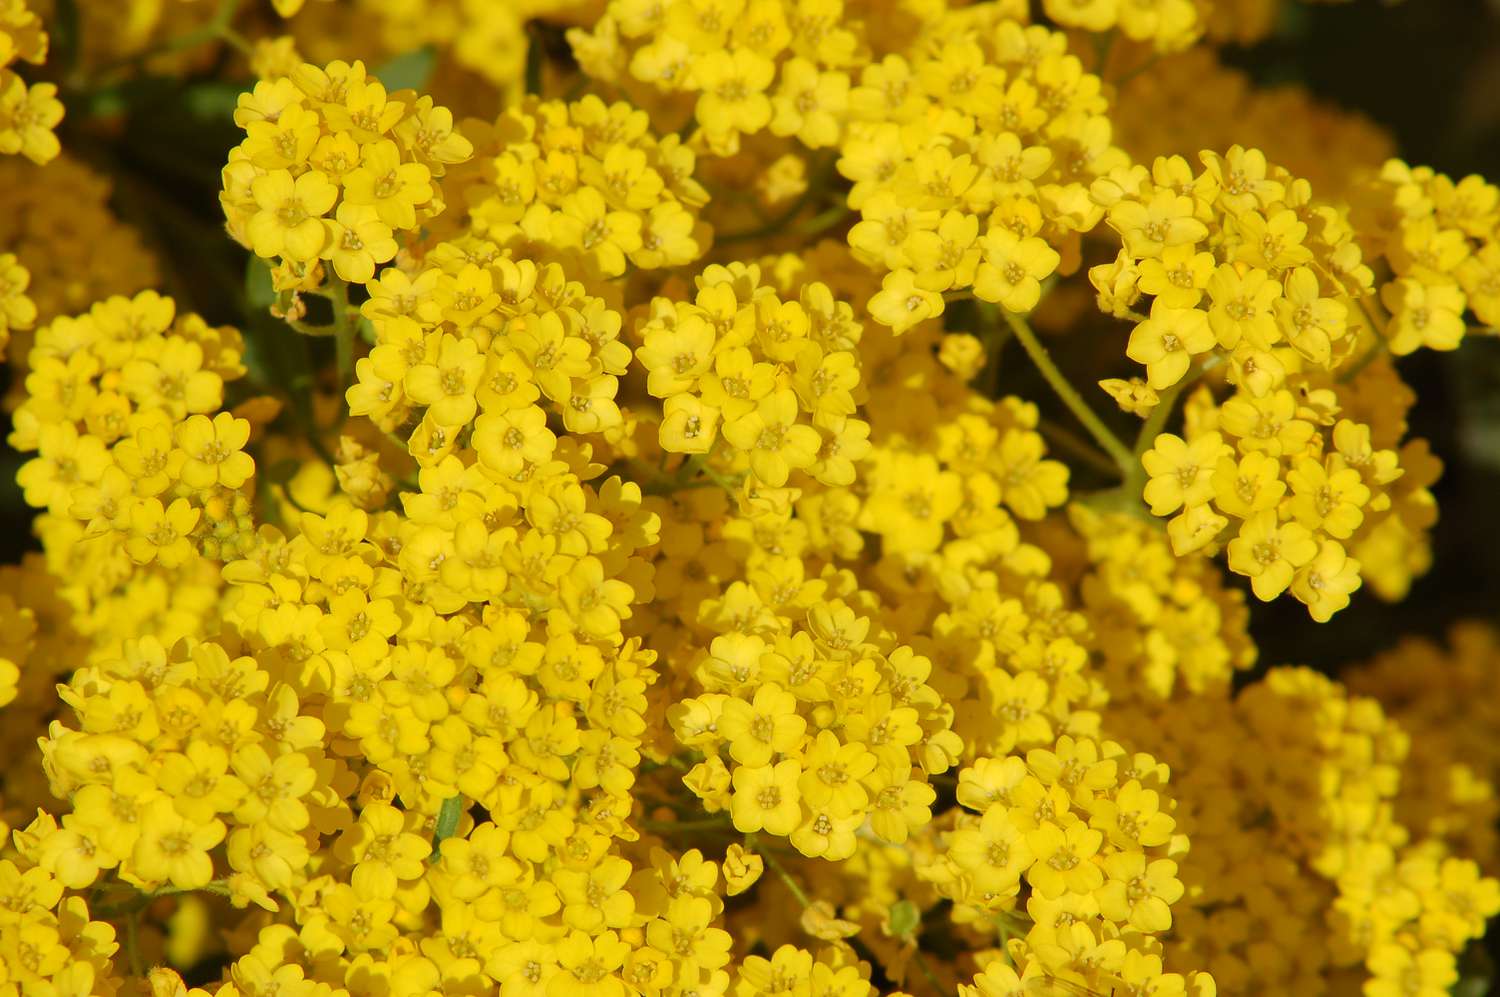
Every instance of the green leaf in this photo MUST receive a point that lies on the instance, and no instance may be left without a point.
(260, 292)
(215, 99)
(447, 822)
(905, 919)
(277, 358)
(409, 70)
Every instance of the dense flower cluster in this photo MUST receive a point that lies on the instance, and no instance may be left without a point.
(1243, 269)
(590, 184)
(1301, 769)
(123, 408)
(613, 551)
(332, 167)
(1442, 699)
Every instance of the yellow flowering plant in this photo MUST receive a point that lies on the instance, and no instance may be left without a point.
(721, 498)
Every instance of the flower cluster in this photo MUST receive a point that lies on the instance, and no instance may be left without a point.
(477, 354)
(1441, 697)
(17, 310)
(1243, 269)
(1303, 768)
(1161, 624)
(743, 67)
(28, 114)
(970, 162)
(1437, 238)
(822, 729)
(777, 379)
(590, 184)
(1167, 26)
(123, 409)
(1087, 828)
(332, 169)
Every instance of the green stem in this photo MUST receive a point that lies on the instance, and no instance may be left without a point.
(345, 331)
(1135, 479)
(217, 29)
(1167, 401)
(1064, 390)
(1065, 439)
(1378, 347)
(730, 485)
(828, 218)
(1103, 42)
(921, 961)
(691, 473)
(133, 943)
(536, 55)
(235, 40)
(672, 762)
(217, 887)
(138, 900)
(780, 870)
(1131, 74)
(314, 331)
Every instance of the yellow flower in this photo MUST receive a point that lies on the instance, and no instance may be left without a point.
(732, 89)
(356, 241)
(447, 384)
(1325, 582)
(1167, 341)
(1165, 220)
(1269, 553)
(382, 181)
(1062, 859)
(158, 534)
(994, 852)
(172, 849)
(1398, 970)
(809, 104)
(507, 441)
(766, 797)
(1012, 270)
(901, 303)
(1241, 307)
(1423, 314)
(758, 731)
(27, 117)
(1181, 472)
(1139, 893)
(289, 217)
(1327, 495)
(776, 442)
(1247, 486)
(214, 451)
(831, 780)
(741, 869)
